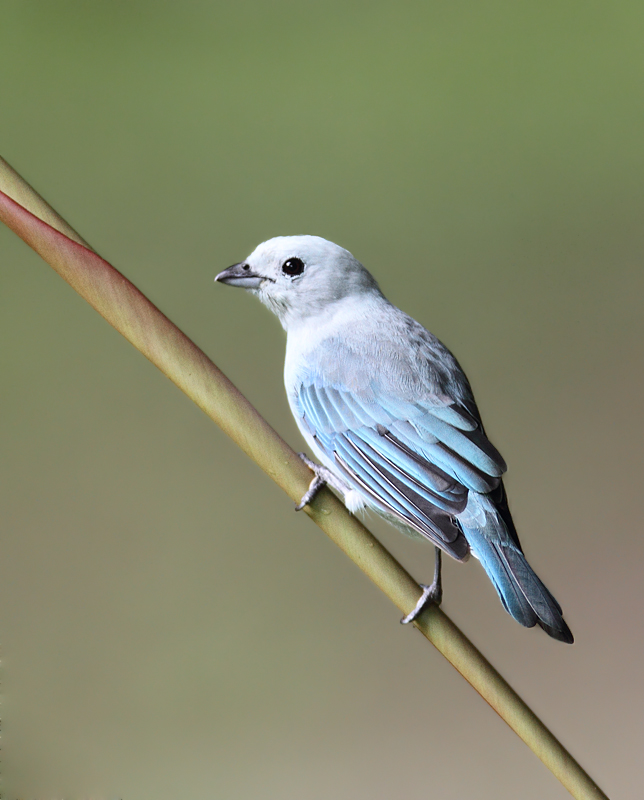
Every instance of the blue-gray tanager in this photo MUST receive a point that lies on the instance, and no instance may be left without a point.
(387, 409)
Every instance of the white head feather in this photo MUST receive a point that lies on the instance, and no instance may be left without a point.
(298, 277)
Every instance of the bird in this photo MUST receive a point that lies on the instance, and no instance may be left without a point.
(390, 414)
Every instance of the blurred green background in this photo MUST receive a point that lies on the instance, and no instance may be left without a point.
(170, 627)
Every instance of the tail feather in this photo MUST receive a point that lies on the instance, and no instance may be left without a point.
(523, 595)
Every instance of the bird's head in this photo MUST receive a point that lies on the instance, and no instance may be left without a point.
(298, 277)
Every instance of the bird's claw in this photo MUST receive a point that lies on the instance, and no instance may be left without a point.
(323, 476)
(316, 484)
(431, 594)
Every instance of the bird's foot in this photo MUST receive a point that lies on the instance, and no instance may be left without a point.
(323, 476)
(431, 594)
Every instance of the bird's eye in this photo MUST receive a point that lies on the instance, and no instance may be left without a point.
(292, 267)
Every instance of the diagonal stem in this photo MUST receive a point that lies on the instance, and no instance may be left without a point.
(151, 332)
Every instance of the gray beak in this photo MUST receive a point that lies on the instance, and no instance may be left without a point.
(241, 275)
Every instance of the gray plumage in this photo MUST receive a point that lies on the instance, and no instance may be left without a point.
(387, 408)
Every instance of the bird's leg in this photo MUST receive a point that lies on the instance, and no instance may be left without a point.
(431, 594)
(322, 475)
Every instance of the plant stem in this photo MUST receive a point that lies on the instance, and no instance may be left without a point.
(151, 332)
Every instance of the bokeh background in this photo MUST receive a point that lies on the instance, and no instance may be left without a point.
(170, 628)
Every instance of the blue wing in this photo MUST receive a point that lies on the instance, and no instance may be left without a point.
(414, 460)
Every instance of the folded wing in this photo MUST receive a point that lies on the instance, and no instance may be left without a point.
(414, 461)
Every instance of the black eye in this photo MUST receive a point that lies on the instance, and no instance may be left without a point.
(294, 266)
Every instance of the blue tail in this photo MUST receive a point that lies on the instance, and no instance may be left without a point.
(522, 593)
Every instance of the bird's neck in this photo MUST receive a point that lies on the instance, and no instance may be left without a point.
(343, 314)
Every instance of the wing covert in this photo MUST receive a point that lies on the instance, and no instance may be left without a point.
(415, 461)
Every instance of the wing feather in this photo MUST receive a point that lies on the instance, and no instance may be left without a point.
(437, 453)
(416, 475)
(429, 522)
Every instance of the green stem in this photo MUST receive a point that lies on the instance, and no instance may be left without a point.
(151, 332)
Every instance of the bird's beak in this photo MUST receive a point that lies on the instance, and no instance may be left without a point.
(241, 275)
